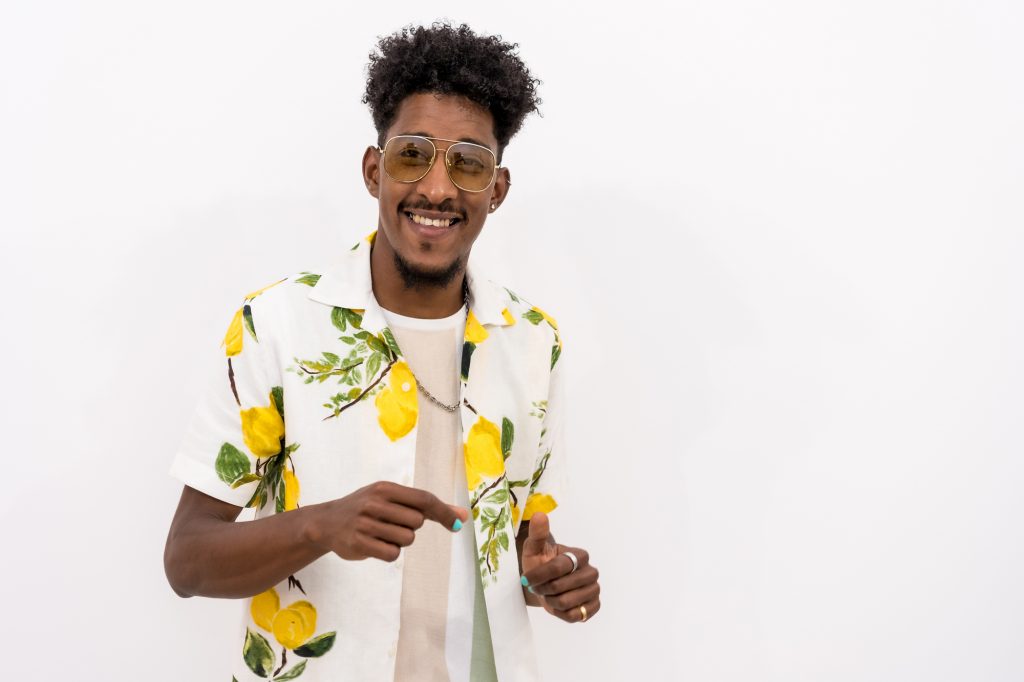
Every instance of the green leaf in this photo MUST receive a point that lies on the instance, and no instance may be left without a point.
(279, 496)
(247, 316)
(519, 484)
(362, 335)
(245, 478)
(354, 318)
(503, 539)
(507, 434)
(373, 365)
(309, 279)
(476, 513)
(331, 358)
(533, 317)
(376, 344)
(317, 647)
(259, 496)
(353, 393)
(347, 339)
(392, 343)
(467, 353)
(556, 352)
(231, 463)
(278, 393)
(499, 496)
(291, 673)
(338, 318)
(257, 653)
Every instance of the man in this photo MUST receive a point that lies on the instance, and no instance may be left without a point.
(394, 421)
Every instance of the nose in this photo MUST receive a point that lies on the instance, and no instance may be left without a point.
(436, 186)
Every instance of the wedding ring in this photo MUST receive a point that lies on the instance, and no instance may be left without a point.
(583, 612)
(575, 561)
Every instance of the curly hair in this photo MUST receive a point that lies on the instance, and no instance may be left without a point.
(450, 61)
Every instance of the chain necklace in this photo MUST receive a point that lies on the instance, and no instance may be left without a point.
(444, 406)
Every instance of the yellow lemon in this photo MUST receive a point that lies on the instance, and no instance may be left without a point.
(508, 316)
(263, 608)
(538, 503)
(371, 237)
(233, 339)
(262, 429)
(291, 490)
(308, 613)
(483, 452)
(550, 320)
(290, 628)
(397, 407)
(475, 332)
(515, 514)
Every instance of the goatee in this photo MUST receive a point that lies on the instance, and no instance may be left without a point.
(417, 278)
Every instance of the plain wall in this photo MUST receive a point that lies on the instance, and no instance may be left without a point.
(783, 241)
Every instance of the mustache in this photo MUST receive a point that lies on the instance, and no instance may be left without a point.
(444, 207)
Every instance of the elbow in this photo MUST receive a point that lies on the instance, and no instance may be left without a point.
(176, 569)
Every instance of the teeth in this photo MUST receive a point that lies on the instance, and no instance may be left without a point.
(420, 220)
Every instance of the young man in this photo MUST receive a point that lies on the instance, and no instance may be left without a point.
(395, 420)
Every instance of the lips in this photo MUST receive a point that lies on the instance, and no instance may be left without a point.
(432, 224)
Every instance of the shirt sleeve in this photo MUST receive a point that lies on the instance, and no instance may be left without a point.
(548, 482)
(240, 419)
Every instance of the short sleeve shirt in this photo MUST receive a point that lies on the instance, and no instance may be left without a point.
(316, 401)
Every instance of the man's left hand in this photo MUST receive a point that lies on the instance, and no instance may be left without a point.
(572, 595)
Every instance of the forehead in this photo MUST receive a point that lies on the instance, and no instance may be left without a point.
(445, 116)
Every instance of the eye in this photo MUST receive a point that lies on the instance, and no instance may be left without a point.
(413, 153)
(467, 163)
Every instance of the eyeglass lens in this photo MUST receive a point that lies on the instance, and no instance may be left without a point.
(407, 158)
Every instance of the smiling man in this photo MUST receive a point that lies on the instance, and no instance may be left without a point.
(394, 421)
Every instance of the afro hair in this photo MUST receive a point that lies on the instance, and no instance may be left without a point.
(450, 60)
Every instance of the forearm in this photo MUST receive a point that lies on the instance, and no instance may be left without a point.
(212, 557)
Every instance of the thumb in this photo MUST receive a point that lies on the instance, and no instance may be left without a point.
(540, 534)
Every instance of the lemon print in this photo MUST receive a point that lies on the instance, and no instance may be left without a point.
(538, 503)
(291, 490)
(483, 452)
(397, 406)
(256, 293)
(263, 608)
(262, 429)
(475, 332)
(233, 339)
(508, 316)
(308, 613)
(547, 318)
(515, 514)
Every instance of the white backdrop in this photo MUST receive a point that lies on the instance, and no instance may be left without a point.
(784, 242)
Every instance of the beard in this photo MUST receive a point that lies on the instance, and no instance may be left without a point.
(419, 278)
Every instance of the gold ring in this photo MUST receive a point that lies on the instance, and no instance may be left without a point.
(583, 612)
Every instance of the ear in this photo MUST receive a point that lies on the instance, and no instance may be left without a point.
(502, 184)
(371, 171)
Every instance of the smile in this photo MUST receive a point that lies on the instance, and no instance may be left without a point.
(431, 222)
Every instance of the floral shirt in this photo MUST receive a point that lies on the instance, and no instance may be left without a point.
(317, 401)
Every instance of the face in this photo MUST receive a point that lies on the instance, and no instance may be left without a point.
(432, 253)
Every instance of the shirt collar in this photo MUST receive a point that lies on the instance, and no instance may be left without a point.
(349, 285)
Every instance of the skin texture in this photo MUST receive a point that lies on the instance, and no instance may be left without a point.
(209, 554)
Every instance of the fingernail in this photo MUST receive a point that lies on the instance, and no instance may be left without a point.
(524, 581)
(457, 526)
(530, 590)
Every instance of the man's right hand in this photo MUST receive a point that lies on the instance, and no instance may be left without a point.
(377, 521)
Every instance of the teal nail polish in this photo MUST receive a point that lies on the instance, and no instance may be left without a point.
(457, 526)
(525, 582)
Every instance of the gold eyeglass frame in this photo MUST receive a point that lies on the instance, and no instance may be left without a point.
(447, 161)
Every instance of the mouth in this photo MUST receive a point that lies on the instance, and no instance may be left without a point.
(432, 224)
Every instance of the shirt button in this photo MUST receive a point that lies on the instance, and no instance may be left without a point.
(406, 386)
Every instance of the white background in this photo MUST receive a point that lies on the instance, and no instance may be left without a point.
(784, 242)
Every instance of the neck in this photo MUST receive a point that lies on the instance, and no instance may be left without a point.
(424, 301)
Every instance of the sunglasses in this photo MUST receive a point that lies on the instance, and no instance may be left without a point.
(408, 158)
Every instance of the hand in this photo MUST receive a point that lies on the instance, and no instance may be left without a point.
(549, 575)
(378, 520)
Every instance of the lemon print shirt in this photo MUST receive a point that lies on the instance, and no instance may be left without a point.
(317, 398)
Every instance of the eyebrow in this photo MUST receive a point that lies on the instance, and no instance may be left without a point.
(465, 139)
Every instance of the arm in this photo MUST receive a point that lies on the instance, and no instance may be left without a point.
(208, 554)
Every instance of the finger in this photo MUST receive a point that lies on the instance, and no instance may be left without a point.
(372, 548)
(428, 504)
(574, 615)
(581, 578)
(539, 535)
(557, 567)
(390, 533)
(395, 513)
(573, 598)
